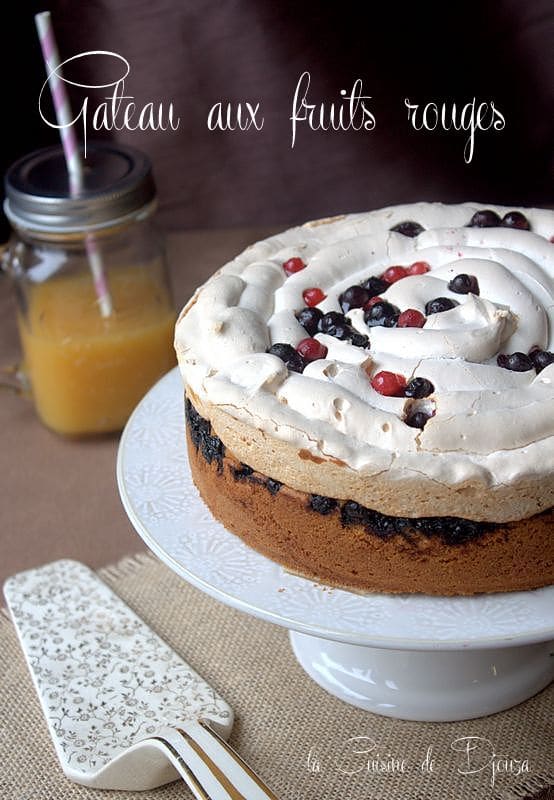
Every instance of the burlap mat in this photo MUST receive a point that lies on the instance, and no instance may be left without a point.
(288, 728)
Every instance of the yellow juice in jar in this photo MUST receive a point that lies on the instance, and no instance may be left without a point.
(88, 372)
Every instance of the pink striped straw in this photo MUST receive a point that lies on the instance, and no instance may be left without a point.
(71, 151)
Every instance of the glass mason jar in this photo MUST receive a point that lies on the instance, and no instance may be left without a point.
(94, 307)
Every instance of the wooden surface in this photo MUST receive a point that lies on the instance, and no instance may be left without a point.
(59, 497)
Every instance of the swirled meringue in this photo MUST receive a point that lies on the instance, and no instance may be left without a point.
(492, 429)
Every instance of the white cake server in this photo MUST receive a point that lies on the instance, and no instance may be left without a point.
(124, 710)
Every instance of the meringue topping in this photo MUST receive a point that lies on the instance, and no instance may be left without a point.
(489, 424)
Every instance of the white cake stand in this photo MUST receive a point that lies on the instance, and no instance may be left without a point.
(408, 656)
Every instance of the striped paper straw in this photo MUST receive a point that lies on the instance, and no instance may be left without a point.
(71, 151)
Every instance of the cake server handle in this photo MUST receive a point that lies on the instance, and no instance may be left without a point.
(209, 766)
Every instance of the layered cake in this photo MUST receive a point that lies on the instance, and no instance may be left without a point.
(370, 398)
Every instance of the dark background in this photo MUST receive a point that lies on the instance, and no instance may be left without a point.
(198, 53)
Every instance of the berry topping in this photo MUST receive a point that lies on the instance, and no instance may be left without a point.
(485, 219)
(242, 472)
(314, 296)
(451, 530)
(439, 304)
(389, 383)
(311, 349)
(273, 486)
(541, 359)
(418, 388)
(353, 297)
(393, 274)
(342, 332)
(288, 354)
(515, 219)
(382, 313)
(417, 419)
(211, 447)
(323, 505)
(294, 265)
(309, 318)
(374, 285)
(329, 322)
(372, 301)
(336, 325)
(411, 318)
(418, 268)
(353, 513)
(517, 362)
(359, 339)
(464, 284)
(408, 228)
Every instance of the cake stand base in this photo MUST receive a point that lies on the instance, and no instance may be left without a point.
(426, 685)
(406, 656)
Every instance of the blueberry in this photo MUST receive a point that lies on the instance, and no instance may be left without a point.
(439, 304)
(358, 339)
(517, 362)
(485, 219)
(211, 446)
(329, 322)
(382, 525)
(321, 504)
(515, 219)
(281, 350)
(375, 286)
(242, 472)
(408, 228)
(464, 284)
(418, 388)
(335, 324)
(309, 318)
(353, 513)
(353, 297)
(451, 530)
(273, 486)
(541, 359)
(288, 354)
(341, 331)
(347, 333)
(382, 313)
(417, 419)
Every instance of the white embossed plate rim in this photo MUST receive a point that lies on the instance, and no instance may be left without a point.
(163, 505)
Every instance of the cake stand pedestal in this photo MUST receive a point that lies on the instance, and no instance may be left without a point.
(406, 656)
(430, 686)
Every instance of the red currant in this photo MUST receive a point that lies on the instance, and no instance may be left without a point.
(389, 383)
(418, 268)
(310, 349)
(393, 274)
(314, 296)
(411, 318)
(293, 265)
